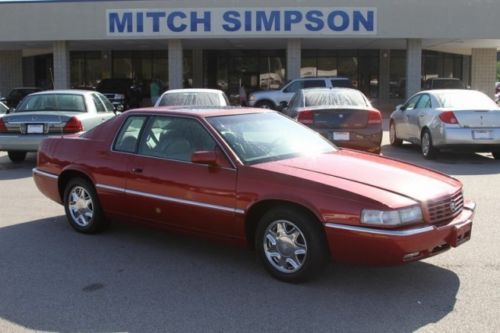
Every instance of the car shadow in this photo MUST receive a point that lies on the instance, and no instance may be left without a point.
(137, 279)
(452, 163)
(9, 170)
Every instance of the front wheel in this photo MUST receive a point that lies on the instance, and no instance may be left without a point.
(291, 244)
(82, 207)
(265, 105)
(427, 146)
(393, 138)
(17, 156)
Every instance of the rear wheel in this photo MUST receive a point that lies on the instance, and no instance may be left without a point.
(82, 207)
(17, 156)
(290, 244)
(496, 155)
(393, 138)
(265, 105)
(427, 146)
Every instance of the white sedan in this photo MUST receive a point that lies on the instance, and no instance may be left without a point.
(465, 120)
(193, 97)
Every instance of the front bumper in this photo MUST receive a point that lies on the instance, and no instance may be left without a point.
(371, 246)
(21, 142)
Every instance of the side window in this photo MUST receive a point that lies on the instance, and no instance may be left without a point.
(424, 102)
(314, 84)
(293, 87)
(98, 104)
(175, 138)
(410, 105)
(129, 134)
(107, 104)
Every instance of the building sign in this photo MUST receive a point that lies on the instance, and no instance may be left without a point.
(241, 22)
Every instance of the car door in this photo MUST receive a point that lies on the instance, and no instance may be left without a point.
(403, 128)
(165, 187)
(417, 117)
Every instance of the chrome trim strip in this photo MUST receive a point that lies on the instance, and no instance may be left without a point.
(398, 233)
(46, 174)
(170, 199)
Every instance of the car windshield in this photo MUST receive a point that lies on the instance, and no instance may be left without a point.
(465, 100)
(334, 97)
(191, 98)
(263, 137)
(53, 102)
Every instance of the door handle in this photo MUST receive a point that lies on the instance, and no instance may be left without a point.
(137, 170)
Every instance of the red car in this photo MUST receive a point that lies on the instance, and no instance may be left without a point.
(253, 177)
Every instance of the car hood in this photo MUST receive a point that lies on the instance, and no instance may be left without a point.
(397, 177)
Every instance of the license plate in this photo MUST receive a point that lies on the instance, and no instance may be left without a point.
(34, 129)
(341, 136)
(481, 135)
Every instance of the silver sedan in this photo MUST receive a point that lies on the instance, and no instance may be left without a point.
(466, 120)
(50, 113)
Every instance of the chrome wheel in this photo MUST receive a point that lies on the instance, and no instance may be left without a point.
(81, 207)
(285, 246)
(426, 144)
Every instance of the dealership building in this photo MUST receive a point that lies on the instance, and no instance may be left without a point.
(386, 47)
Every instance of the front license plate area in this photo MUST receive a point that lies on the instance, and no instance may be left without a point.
(34, 129)
(481, 135)
(460, 234)
(340, 136)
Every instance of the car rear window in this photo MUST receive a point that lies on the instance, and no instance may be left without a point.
(191, 98)
(335, 97)
(342, 83)
(465, 100)
(53, 102)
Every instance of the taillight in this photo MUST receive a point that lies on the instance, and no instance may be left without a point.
(3, 128)
(448, 117)
(74, 125)
(374, 117)
(306, 117)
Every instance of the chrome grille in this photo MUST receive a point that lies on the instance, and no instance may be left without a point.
(445, 209)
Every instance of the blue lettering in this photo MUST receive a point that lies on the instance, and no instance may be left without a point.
(367, 22)
(232, 19)
(140, 21)
(117, 25)
(205, 20)
(155, 16)
(344, 20)
(316, 23)
(292, 17)
(268, 22)
(248, 20)
(171, 22)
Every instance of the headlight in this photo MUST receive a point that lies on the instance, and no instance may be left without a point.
(392, 217)
(251, 98)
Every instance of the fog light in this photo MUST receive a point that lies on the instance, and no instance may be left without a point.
(411, 256)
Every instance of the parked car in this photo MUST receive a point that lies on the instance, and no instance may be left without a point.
(343, 115)
(122, 93)
(4, 109)
(256, 178)
(448, 119)
(273, 99)
(48, 113)
(193, 97)
(16, 95)
(443, 83)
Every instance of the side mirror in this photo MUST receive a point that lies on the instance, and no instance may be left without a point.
(204, 157)
(10, 110)
(400, 107)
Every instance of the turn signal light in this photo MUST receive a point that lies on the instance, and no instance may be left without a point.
(3, 128)
(448, 117)
(306, 117)
(74, 125)
(374, 117)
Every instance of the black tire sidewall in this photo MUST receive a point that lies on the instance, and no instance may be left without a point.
(432, 150)
(17, 156)
(97, 222)
(396, 141)
(270, 106)
(316, 243)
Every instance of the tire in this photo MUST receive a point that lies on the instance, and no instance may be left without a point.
(300, 249)
(17, 156)
(427, 148)
(496, 155)
(393, 138)
(80, 201)
(265, 105)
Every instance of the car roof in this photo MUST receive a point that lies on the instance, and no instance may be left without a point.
(193, 90)
(64, 91)
(201, 112)
(324, 77)
(436, 91)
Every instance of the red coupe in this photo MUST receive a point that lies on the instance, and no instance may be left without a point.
(256, 178)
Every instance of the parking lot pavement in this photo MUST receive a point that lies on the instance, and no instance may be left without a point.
(136, 279)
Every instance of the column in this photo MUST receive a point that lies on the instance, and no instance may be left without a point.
(384, 75)
(11, 71)
(413, 66)
(293, 59)
(483, 70)
(175, 71)
(466, 70)
(197, 68)
(61, 70)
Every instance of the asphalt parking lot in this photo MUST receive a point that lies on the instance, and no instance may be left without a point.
(144, 280)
